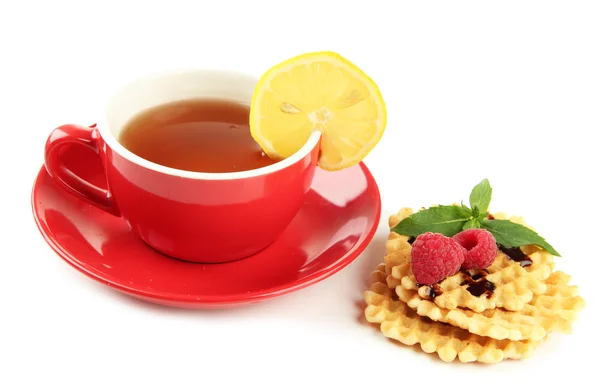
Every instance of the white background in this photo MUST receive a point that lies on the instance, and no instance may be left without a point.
(505, 90)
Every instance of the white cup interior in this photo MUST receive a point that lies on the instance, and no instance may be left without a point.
(145, 93)
(153, 91)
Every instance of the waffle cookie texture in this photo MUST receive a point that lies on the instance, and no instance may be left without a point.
(503, 312)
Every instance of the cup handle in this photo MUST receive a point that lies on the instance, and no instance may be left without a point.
(81, 135)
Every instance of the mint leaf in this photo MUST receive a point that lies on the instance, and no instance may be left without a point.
(447, 220)
(512, 234)
(471, 224)
(481, 196)
(466, 210)
(475, 211)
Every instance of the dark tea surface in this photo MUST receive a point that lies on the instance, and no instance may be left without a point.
(196, 135)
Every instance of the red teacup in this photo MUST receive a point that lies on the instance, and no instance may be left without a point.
(194, 216)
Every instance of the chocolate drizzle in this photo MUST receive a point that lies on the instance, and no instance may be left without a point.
(433, 290)
(481, 274)
(483, 286)
(516, 254)
(477, 284)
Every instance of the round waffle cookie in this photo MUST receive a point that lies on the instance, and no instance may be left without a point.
(399, 322)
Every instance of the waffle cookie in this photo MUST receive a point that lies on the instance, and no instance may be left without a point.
(533, 322)
(528, 303)
(399, 322)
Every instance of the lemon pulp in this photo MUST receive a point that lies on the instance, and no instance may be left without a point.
(323, 92)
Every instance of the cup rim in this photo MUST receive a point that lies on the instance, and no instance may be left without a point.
(110, 140)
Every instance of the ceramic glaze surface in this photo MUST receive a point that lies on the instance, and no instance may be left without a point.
(336, 221)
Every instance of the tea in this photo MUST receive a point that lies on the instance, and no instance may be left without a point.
(202, 135)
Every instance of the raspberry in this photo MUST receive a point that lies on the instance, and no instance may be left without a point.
(480, 246)
(434, 257)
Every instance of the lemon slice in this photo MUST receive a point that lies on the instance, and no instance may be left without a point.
(322, 92)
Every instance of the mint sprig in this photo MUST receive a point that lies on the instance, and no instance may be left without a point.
(450, 220)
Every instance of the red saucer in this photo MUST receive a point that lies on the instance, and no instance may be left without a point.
(338, 219)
